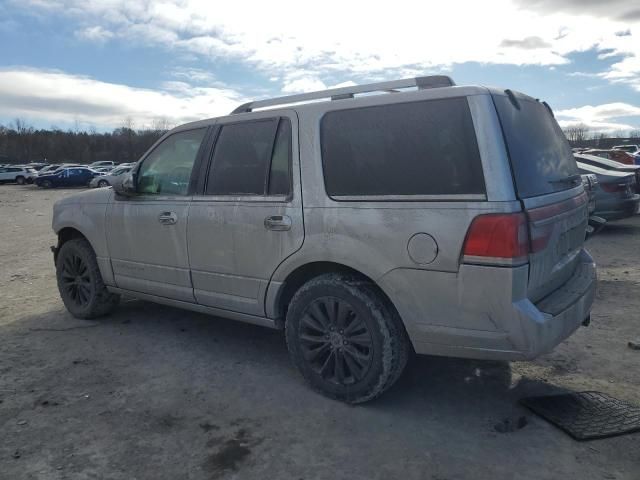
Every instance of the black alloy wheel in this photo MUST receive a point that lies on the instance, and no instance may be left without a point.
(336, 341)
(76, 280)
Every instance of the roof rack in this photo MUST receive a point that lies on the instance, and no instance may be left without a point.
(433, 81)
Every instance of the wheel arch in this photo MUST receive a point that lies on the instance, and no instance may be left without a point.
(68, 233)
(278, 300)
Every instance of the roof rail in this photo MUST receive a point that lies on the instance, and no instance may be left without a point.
(433, 81)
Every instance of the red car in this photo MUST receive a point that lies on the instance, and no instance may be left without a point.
(617, 155)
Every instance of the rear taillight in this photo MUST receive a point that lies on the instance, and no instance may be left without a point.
(501, 238)
(614, 187)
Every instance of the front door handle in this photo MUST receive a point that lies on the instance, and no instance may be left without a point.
(278, 223)
(168, 218)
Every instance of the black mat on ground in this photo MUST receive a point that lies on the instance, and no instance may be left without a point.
(586, 415)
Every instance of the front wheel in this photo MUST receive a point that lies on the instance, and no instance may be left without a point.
(47, 184)
(345, 338)
(103, 183)
(81, 287)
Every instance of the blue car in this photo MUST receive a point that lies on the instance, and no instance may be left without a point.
(67, 177)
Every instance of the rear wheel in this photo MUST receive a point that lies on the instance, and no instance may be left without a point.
(79, 281)
(20, 180)
(345, 339)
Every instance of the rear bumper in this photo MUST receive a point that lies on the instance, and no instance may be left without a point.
(558, 315)
(484, 312)
(619, 208)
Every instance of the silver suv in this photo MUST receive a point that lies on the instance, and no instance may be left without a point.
(441, 219)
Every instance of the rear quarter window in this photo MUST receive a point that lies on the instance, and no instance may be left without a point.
(419, 148)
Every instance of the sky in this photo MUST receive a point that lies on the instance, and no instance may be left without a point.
(102, 64)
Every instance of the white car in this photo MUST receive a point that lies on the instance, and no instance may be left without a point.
(17, 174)
(104, 163)
(110, 178)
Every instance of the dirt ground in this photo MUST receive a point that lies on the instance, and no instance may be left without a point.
(153, 392)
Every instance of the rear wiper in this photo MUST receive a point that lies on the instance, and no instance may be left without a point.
(570, 179)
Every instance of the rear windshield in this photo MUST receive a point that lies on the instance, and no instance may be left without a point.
(540, 155)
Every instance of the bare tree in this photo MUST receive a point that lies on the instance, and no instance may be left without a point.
(161, 124)
(577, 134)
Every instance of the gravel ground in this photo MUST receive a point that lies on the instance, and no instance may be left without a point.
(153, 392)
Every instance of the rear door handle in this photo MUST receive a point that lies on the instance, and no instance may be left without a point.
(168, 218)
(278, 223)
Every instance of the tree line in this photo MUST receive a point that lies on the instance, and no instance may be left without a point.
(582, 136)
(22, 143)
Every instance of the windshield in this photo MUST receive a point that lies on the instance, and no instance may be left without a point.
(540, 155)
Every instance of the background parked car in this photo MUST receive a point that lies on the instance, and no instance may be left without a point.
(104, 163)
(54, 167)
(37, 166)
(116, 175)
(611, 165)
(617, 155)
(17, 174)
(67, 177)
(614, 194)
(103, 169)
(631, 150)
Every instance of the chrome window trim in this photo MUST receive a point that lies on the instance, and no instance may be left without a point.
(411, 198)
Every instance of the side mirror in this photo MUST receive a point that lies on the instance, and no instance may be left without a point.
(127, 187)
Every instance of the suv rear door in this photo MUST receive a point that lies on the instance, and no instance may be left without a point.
(247, 217)
(549, 185)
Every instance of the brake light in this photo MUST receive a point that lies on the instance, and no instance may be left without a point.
(492, 238)
(614, 187)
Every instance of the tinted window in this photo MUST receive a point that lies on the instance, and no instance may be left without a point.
(420, 148)
(167, 169)
(280, 174)
(540, 155)
(251, 158)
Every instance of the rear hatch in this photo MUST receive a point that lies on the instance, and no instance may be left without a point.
(549, 186)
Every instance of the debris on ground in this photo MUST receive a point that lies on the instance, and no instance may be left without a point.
(511, 425)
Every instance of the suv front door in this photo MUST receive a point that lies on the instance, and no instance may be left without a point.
(247, 217)
(146, 232)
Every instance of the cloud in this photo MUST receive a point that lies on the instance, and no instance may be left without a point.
(96, 33)
(385, 43)
(304, 84)
(61, 97)
(598, 117)
(626, 10)
(529, 43)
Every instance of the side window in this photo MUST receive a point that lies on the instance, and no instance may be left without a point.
(418, 148)
(280, 172)
(252, 158)
(167, 169)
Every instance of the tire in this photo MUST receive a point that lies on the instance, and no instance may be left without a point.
(47, 184)
(103, 183)
(345, 338)
(20, 180)
(79, 281)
